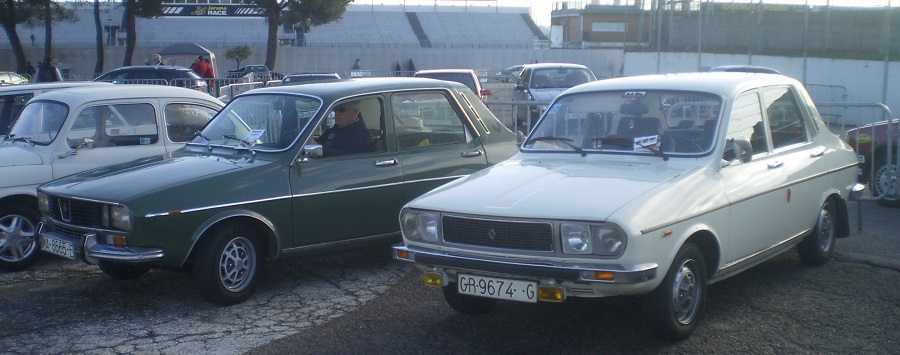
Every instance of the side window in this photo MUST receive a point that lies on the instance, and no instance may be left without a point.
(747, 121)
(183, 120)
(10, 107)
(785, 118)
(116, 125)
(424, 119)
(353, 126)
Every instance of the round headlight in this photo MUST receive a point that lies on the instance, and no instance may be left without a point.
(609, 240)
(419, 225)
(43, 202)
(576, 238)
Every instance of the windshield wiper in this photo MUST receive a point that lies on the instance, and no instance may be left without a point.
(656, 151)
(200, 134)
(13, 137)
(233, 137)
(562, 140)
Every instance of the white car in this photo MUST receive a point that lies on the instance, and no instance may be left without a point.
(14, 97)
(72, 130)
(649, 185)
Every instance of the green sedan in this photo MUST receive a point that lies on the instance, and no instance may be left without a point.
(280, 171)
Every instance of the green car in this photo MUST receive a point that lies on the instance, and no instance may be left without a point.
(280, 171)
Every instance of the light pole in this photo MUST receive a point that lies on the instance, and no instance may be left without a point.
(109, 31)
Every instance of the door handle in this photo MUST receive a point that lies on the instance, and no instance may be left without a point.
(389, 162)
(776, 164)
(476, 153)
(817, 153)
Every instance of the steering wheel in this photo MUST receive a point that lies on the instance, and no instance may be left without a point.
(682, 144)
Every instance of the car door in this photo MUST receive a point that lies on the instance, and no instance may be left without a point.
(756, 188)
(434, 140)
(352, 196)
(118, 131)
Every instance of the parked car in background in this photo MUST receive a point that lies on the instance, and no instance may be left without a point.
(306, 78)
(745, 68)
(541, 83)
(265, 180)
(876, 167)
(155, 75)
(648, 185)
(71, 130)
(467, 77)
(510, 74)
(261, 72)
(11, 78)
(14, 97)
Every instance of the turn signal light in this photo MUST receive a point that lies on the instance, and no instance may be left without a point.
(550, 294)
(403, 254)
(434, 279)
(117, 240)
(605, 275)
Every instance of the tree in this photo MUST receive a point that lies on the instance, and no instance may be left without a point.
(133, 10)
(12, 13)
(98, 67)
(51, 12)
(238, 54)
(304, 13)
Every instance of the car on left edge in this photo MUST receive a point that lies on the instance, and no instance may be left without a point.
(14, 97)
(11, 78)
(67, 131)
(268, 178)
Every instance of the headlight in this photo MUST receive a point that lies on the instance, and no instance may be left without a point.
(585, 239)
(117, 217)
(417, 225)
(43, 202)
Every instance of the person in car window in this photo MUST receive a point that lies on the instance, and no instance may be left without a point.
(349, 134)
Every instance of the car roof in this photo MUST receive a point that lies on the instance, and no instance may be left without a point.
(456, 71)
(77, 96)
(554, 65)
(726, 84)
(48, 86)
(745, 68)
(157, 67)
(335, 90)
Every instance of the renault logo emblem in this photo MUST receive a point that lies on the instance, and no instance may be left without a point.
(492, 234)
(65, 210)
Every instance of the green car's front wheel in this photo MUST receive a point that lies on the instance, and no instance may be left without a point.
(227, 265)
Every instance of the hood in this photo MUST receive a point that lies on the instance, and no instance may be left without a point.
(14, 155)
(546, 95)
(571, 188)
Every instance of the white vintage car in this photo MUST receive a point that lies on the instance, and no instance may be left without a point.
(650, 185)
(66, 131)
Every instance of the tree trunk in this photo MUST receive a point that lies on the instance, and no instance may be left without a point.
(48, 29)
(98, 68)
(130, 28)
(272, 41)
(10, 27)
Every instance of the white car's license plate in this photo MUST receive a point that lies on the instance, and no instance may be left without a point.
(59, 247)
(504, 289)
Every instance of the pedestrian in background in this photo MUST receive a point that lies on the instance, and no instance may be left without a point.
(46, 72)
(411, 67)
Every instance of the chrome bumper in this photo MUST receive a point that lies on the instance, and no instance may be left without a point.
(556, 271)
(90, 251)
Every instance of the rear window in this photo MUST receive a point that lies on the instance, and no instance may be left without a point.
(465, 79)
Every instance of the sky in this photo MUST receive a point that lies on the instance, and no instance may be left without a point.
(540, 9)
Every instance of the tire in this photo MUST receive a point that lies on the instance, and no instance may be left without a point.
(816, 248)
(882, 184)
(227, 265)
(122, 271)
(19, 246)
(672, 310)
(466, 304)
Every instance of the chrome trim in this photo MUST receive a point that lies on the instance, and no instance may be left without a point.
(131, 254)
(327, 245)
(751, 260)
(631, 274)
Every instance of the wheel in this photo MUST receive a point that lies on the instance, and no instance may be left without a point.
(226, 265)
(19, 247)
(673, 309)
(884, 184)
(815, 249)
(466, 304)
(122, 271)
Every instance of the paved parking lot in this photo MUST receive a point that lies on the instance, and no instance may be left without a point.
(364, 302)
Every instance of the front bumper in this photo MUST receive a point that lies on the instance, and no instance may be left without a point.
(88, 249)
(558, 272)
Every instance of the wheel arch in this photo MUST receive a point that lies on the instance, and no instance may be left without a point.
(843, 214)
(711, 249)
(264, 228)
(20, 199)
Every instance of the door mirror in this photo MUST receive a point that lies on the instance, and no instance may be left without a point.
(739, 148)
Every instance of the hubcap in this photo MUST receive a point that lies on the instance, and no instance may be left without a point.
(237, 265)
(885, 183)
(686, 293)
(826, 228)
(17, 239)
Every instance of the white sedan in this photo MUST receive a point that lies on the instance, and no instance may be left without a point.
(650, 185)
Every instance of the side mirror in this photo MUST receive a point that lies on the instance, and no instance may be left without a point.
(740, 149)
(312, 151)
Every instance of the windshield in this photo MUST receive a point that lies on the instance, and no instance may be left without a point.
(264, 121)
(560, 78)
(463, 78)
(644, 122)
(40, 122)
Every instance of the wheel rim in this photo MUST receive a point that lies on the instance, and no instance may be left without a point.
(885, 184)
(825, 228)
(17, 239)
(237, 265)
(686, 293)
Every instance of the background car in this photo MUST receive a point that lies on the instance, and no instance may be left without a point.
(71, 130)
(541, 83)
(260, 72)
(510, 74)
(155, 75)
(650, 186)
(305, 78)
(468, 77)
(260, 182)
(14, 97)
(744, 69)
(876, 167)
(9, 78)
